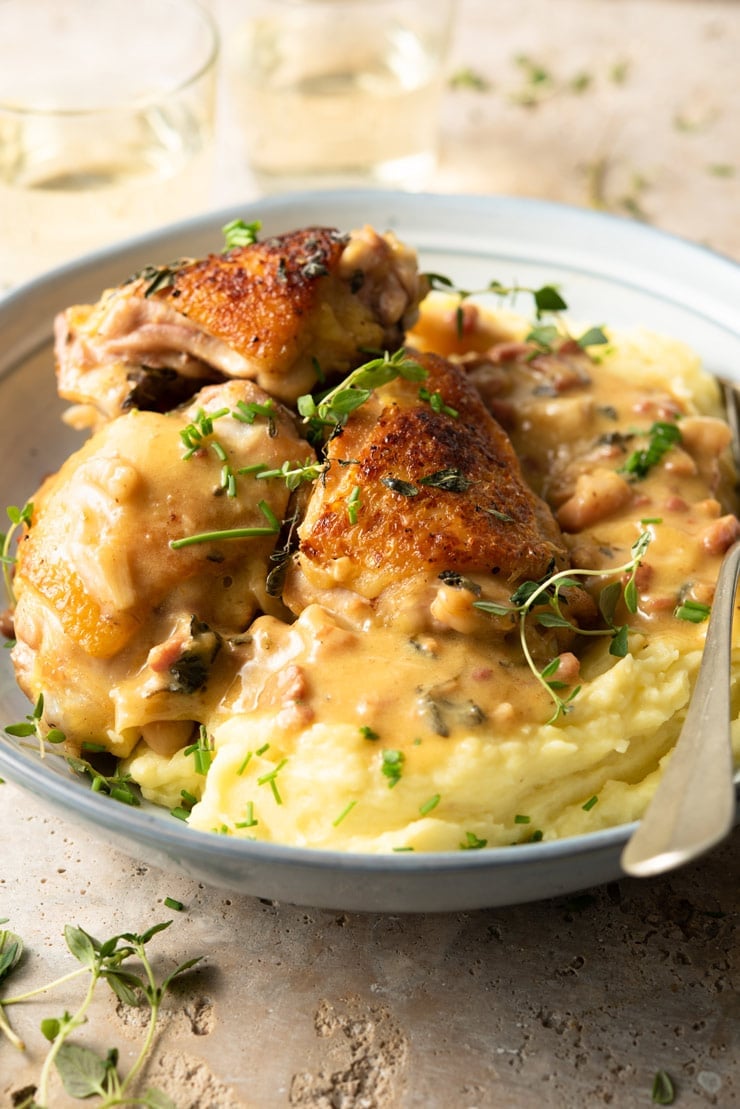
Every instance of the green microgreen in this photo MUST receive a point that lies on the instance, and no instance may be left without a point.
(542, 601)
(18, 517)
(238, 233)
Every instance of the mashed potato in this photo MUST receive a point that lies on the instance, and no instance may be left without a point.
(329, 735)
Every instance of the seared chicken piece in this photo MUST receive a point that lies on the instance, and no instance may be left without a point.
(123, 634)
(282, 312)
(436, 493)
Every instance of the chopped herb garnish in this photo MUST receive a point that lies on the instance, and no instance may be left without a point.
(249, 818)
(269, 779)
(172, 903)
(367, 732)
(693, 611)
(202, 751)
(353, 505)
(392, 766)
(238, 233)
(345, 812)
(472, 842)
(432, 803)
(590, 803)
(520, 819)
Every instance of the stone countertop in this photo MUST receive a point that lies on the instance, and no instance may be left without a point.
(630, 105)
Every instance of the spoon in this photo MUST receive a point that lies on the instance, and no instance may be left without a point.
(693, 807)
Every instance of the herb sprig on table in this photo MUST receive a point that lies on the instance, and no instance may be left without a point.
(83, 1072)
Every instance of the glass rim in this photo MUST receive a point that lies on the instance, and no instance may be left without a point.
(134, 103)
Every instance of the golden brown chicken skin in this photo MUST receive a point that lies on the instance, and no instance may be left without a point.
(283, 312)
(436, 492)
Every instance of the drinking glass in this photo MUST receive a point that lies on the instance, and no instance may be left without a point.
(341, 92)
(106, 123)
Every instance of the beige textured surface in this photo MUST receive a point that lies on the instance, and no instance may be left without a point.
(568, 1003)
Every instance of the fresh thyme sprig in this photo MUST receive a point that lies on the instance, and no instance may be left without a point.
(530, 595)
(84, 1073)
(333, 409)
(32, 726)
(294, 473)
(18, 518)
(547, 301)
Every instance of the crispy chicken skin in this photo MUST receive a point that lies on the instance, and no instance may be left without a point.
(439, 494)
(281, 311)
(106, 608)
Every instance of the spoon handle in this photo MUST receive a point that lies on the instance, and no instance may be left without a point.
(694, 805)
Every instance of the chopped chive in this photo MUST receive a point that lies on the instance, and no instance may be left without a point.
(399, 849)
(368, 733)
(432, 803)
(261, 750)
(180, 812)
(171, 903)
(536, 836)
(345, 812)
(244, 764)
(249, 820)
(590, 803)
(519, 819)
